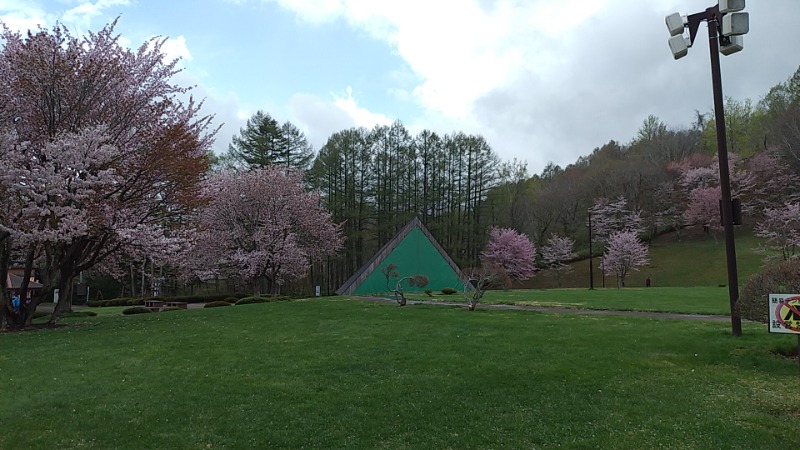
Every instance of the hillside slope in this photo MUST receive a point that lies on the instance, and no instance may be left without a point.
(690, 258)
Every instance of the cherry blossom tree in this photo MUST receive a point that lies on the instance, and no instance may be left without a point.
(102, 152)
(625, 253)
(263, 225)
(511, 251)
(556, 253)
(767, 183)
(703, 209)
(781, 229)
(609, 216)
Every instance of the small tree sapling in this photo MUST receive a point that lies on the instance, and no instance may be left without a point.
(390, 272)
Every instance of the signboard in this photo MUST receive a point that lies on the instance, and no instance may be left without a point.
(784, 313)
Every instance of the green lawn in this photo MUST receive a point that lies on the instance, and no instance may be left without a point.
(338, 373)
(696, 300)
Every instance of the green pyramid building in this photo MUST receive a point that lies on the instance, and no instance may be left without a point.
(414, 251)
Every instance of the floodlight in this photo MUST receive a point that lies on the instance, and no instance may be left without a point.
(735, 44)
(675, 24)
(727, 6)
(678, 46)
(734, 24)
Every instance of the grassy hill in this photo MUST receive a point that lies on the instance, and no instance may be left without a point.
(690, 258)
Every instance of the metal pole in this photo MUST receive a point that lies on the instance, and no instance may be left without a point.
(591, 266)
(724, 171)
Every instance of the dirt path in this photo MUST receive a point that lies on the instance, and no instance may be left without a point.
(555, 309)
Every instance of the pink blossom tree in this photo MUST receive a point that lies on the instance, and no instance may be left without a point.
(609, 216)
(511, 251)
(703, 209)
(556, 253)
(781, 229)
(101, 151)
(625, 252)
(263, 225)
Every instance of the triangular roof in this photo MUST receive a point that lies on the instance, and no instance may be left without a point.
(14, 281)
(413, 250)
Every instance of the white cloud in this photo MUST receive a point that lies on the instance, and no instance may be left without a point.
(175, 48)
(361, 116)
(315, 11)
(81, 16)
(22, 16)
(319, 118)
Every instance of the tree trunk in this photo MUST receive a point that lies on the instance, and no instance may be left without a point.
(64, 296)
(29, 303)
(5, 259)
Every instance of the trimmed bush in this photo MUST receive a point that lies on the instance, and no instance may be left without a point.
(252, 300)
(79, 314)
(170, 308)
(122, 301)
(216, 304)
(781, 278)
(136, 310)
(231, 300)
(449, 291)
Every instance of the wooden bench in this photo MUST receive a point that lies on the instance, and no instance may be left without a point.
(154, 305)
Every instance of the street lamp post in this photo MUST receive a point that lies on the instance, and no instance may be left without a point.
(591, 266)
(726, 25)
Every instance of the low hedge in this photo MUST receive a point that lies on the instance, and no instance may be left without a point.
(216, 304)
(253, 300)
(136, 310)
(136, 301)
(121, 301)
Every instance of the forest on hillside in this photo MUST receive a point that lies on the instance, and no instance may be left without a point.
(374, 181)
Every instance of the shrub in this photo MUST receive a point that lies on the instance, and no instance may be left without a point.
(79, 314)
(781, 278)
(171, 308)
(429, 292)
(449, 291)
(216, 304)
(230, 299)
(252, 300)
(122, 301)
(135, 310)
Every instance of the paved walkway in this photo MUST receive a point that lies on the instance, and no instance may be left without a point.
(556, 309)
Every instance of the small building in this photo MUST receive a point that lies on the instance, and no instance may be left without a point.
(414, 251)
(14, 282)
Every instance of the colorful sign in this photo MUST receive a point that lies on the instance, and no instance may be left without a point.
(784, 313)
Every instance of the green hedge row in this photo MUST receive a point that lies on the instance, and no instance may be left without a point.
(128, 301)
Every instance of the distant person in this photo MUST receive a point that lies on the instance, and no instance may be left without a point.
(647, 281)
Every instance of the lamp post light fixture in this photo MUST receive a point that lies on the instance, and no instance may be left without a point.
(726, 25)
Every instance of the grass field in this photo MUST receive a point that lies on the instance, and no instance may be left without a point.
(696, 300)
(339, 373)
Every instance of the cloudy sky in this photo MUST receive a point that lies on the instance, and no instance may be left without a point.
(541, 80)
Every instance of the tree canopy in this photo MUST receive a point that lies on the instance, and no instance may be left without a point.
(101, 152)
